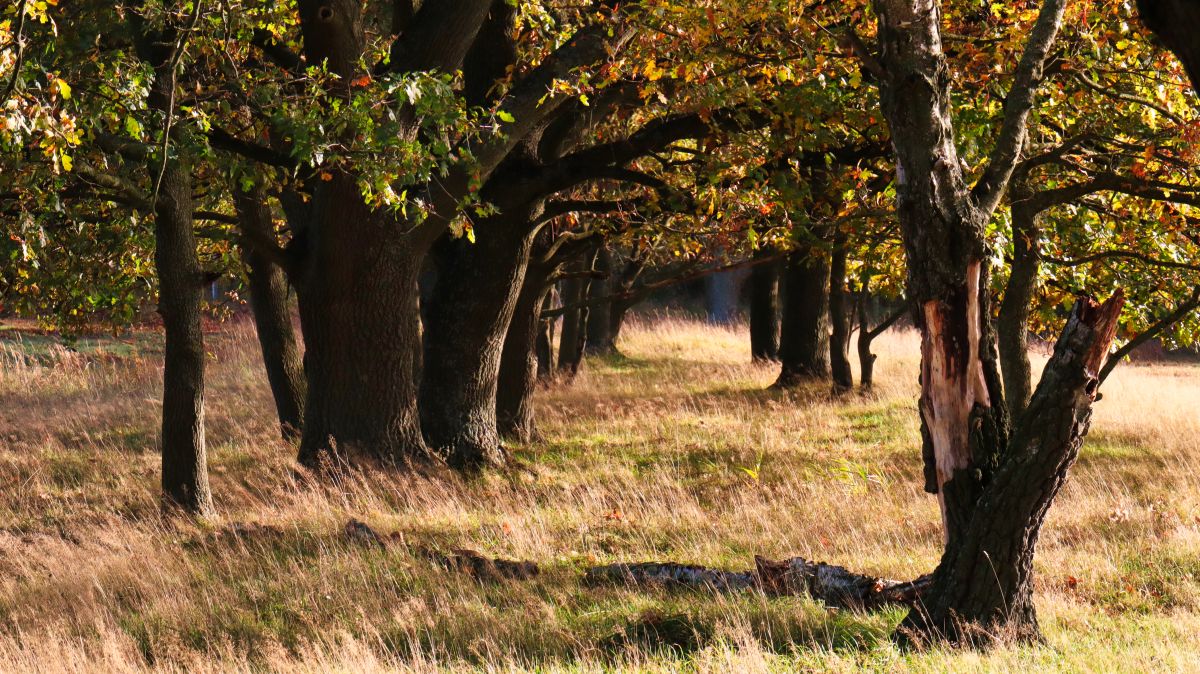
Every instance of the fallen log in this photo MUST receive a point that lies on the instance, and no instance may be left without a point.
(668, 574)
(835, 586)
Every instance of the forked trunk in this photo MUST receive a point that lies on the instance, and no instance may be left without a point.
(983, 588)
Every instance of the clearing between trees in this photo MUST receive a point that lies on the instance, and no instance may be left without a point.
(675, 450)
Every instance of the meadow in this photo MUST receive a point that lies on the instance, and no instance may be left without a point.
(674, 450)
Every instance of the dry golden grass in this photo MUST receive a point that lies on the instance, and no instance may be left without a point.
(672, 451)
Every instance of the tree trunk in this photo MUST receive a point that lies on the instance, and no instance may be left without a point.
(867, 334)
(545, 337)
(359, 312)
(721, 297)
(519, 362)
(473, 303)
(1176, 23)
(269, 292)
(987, 488)
(573, 336)
(599, 316)
(180, 291)
(983, 588)
(1012, 323)
(764, 309)
(840, 316)
(184, 461)
(804, 340)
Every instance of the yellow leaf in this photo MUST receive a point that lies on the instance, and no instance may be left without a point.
(66, 161)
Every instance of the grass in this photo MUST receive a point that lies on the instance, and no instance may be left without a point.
(673, 451)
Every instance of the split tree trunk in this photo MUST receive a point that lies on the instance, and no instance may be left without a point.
(269, 292)
(987, 488)
(764, 309)
(804, 338)
(983, 587)
(840, 316)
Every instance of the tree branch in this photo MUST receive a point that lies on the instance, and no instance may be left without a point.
(1014, 127)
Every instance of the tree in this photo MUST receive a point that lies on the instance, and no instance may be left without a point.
(994, 485)
(1175, 22)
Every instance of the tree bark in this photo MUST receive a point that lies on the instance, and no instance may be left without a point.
(359, 312)
(1176, 23)
(804, 338)
(545, 337)
(474, 299)
(840, 316)
(184, 460)
(185, 483)
(1012, 323)
(573, 336)
(983, 588)
(599, 316)
(269, 291)
(964, 419)
(519, 361)
(764, 309)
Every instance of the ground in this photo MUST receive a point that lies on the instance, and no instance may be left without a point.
(672, 451)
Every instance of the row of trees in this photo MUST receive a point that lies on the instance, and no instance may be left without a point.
(422, 177)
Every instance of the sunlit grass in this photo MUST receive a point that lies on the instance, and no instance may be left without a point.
(673, 450)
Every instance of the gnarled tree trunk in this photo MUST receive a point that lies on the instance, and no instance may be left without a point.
(969, 462)
(983, 587)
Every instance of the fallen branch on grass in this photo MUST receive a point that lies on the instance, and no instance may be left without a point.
(835, 586)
